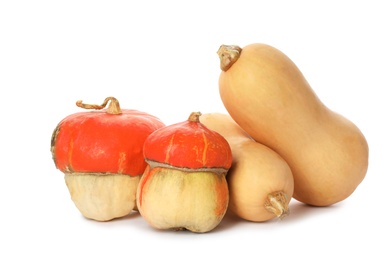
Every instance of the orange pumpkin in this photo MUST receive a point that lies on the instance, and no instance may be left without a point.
(101, 154)
(184, 186)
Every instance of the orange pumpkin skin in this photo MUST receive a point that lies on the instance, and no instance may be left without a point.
(189, 145)
(99, 142)
(184, 185)
(101, 154)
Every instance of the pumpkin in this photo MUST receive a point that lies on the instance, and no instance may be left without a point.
(268, 96)
(260, 181)
(101, 154)
(184, 186)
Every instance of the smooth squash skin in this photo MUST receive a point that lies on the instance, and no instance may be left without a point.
(260, 181)
(184, 186)
(268, 96)
(168, 198)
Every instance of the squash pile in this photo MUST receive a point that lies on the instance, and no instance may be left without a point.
(277, 141)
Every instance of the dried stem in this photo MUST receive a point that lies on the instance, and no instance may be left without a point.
(194, 117)
(277, 204)
(113, 108)
(228, 55)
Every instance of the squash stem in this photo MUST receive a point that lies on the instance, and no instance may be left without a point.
(277, 204)
(114, 107)
(228, 55)
(194, 117)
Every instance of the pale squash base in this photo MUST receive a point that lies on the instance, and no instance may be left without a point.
(177, 200)
(103, 197)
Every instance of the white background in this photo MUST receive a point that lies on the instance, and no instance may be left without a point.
(160, 57)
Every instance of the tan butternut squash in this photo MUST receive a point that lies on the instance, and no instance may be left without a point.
(260, 181)
(268, 96)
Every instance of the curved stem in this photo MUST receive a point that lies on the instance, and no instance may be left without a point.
(277, 204)
(194, 117)
(228, 55)
(113, 108)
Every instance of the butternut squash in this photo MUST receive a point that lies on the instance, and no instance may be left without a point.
(260, 181)
(268, 96)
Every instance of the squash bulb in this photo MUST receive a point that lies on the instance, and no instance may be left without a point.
(260, 181)
(184, 186)
(103, 197)
(176, 199)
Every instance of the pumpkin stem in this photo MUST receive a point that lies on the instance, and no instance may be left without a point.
(114, 107)
(277, 204)
(194, 117)
(228, 55)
